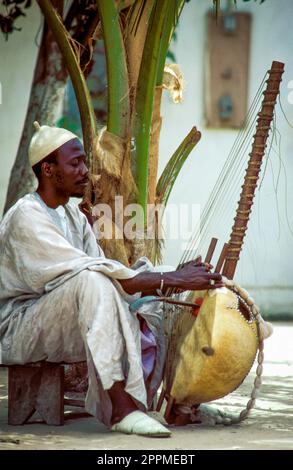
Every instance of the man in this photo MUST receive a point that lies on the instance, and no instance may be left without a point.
(62, 300)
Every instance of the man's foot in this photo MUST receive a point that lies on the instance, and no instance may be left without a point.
(122, 403)
(140, 423)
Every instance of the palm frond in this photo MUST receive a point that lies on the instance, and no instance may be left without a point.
(145, 99)
(136, 11)
(175, 8)
(134, 16)
(118, 95)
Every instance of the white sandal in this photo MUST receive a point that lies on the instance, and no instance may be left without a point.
(140, 423)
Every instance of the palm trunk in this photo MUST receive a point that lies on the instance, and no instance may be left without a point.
(70, 58)
(154, 146)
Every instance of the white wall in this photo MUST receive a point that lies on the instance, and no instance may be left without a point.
(17, 60)
(267, 258)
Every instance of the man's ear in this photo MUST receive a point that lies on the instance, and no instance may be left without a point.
(47, 169)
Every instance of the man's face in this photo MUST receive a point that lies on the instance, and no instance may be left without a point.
(70, 175)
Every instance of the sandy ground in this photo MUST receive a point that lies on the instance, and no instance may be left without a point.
(270, 425)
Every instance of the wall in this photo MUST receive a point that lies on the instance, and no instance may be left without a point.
(17, 60)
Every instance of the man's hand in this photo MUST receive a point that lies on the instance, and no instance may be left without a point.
(197, 263)
(84, 207)
(193, 275)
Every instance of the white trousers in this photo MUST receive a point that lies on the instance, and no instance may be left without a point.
(86, 318)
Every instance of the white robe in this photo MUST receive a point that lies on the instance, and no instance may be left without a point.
(60, 301)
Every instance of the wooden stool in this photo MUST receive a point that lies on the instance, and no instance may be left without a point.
(37, 387)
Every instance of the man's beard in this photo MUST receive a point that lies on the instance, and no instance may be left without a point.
(78, 192)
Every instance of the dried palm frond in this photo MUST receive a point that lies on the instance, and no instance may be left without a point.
(173, 82)
(109, 152)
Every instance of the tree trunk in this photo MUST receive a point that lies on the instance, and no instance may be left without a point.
(47, 92)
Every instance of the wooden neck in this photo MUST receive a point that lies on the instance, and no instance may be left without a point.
(265, 117)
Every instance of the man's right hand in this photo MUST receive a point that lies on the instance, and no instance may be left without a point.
(194, 276)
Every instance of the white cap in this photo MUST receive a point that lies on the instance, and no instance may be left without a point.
(45, 140)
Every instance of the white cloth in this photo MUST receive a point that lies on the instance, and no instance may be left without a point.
(63, 219)
(45, 140)
(60, 301)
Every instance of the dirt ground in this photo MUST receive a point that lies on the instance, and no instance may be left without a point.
(270, 425)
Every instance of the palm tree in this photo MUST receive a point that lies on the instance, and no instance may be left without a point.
(136, 34)
(124, 155)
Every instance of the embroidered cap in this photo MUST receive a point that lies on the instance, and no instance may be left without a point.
(45, 140)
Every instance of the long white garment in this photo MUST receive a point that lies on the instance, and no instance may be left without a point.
(60, 301)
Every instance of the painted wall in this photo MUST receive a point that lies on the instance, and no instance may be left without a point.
(267, 260)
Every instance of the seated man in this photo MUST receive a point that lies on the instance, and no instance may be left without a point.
(62, 300)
